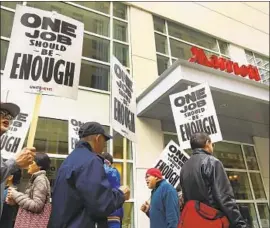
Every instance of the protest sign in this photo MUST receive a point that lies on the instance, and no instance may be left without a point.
(12, 141)
(194, 112)
(73, 129)
(123, 101)
(171, 162)
(44, 54)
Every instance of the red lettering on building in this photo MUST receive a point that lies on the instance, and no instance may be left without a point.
(224, 64)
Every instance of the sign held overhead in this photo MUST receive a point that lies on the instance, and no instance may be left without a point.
(44, 53)
(194, 112)
(171, 162)
(123, 101)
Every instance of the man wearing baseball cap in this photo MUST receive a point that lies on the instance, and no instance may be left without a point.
(8, 111)
(164, 209)
(82, 195)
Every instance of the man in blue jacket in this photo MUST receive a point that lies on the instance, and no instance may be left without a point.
(164, 209)
(82, 195)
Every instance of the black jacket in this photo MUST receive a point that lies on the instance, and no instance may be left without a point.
(204, 179)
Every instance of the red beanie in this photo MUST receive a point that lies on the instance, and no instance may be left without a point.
(154, 172)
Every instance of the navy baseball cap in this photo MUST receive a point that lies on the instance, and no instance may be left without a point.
(13, 109)
(93, 128)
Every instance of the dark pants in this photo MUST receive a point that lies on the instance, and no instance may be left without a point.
(8, 216)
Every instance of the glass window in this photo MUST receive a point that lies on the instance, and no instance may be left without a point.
(240, 185)
(129, 150)
(103, 7)
(159, 24)
(51, 136)
(223, 46)
(180, 50)
(118, 147)
(130, 180)
(250, 157)
(262, 61)
(96, 48)
(121, 53)
(4, 49)
(55, 165)
(162, 63)
(120, 30)
(167, 138)
(192, 36)
(92, 22)
(248, 212)
(264, 214)
(264, 74)
(10, 4)
(128, 219)
(6, 23)
(257, 184)
(94, 75)
(230, 154)
(120, 168)
(250, 57)
(161, 44)
(120, 10)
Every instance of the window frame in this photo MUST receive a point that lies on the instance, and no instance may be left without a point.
(247, 171)
(256, 65)
(168, 37)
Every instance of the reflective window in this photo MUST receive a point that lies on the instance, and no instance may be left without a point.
(6, 23)
(159, 24)
(120, 31)
(257, 184)
(250, 157)
(263, 209)
(94, 75)
(240, 185)
(128, 215)
(4, 48)
(161, 44)
(180, 50)
(262, 62)
(163, 63)
(121, 52)
(103, 7)
(181, 39)
(230, 154)
(10, 4)
(120, 10)
(248, 212)
(96, 48)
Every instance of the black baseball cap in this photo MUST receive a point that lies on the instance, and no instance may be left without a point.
(12, 108)
(93, 128)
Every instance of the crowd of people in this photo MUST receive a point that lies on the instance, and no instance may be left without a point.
(87, 191)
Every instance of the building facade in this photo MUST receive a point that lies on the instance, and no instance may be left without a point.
(153, 41)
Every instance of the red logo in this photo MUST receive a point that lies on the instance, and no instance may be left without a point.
(224, 64)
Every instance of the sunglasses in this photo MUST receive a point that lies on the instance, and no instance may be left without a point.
(6, 115)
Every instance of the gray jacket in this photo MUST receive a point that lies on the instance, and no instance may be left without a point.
(36, 195)
(7, 168)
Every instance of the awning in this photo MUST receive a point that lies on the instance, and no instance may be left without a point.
(242, 104)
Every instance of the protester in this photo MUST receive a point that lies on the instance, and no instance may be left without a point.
(37, 192)
(163, 209)
(8, 111)
(10, 211)
(82, 195)
(115, 219)
(204, 182)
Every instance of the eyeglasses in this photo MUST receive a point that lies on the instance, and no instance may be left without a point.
(6, 115)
